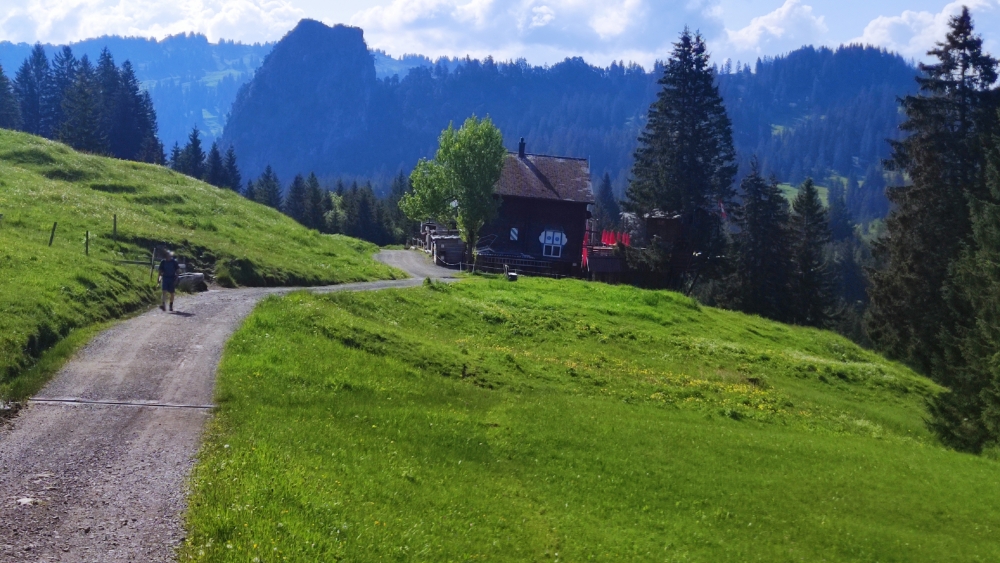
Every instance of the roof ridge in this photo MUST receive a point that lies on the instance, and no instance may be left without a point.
(514, 153)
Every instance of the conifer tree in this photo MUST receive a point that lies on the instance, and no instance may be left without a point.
(267, 189)
(176, 158)
(234, 180)
(32, 84)
(10, 110)
(215, 169)
(151, 149)
(193, 156)
(64, 69)
(944, 159)
(296, 203)
(107, 84)
(967, 417)
(764, 267)
(608, 210)
(685, 162)
(841, 223)
(128, 132)
(315, 207)
(82, 113)
(813, 278)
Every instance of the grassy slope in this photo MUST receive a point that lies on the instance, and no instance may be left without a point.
(47, 291)
(559, 420)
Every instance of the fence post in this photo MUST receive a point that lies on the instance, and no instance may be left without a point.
(86, 245)
(52, 237)
(114, 232)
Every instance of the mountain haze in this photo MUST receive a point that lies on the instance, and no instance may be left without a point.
(318, 105)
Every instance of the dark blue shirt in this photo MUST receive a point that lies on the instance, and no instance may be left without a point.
(169, 268)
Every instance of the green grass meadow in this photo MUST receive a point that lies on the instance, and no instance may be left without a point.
(46, 292)
(549, 420)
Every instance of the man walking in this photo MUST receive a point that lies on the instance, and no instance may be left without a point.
(169, 270)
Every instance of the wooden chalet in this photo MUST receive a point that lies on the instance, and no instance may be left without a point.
(542, 223)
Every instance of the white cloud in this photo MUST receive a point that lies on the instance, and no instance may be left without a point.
(61, 21)
(790, 26)
(913, 33)
(546, 31)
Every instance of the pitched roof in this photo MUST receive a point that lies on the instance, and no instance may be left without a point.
(546, 177)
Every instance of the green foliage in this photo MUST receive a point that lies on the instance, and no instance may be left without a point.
(215, 168)
(267, 189)
(608, 211)
(910, 317)
(296, 203)
(968, 416)
(46, 292)
(81, 128)
(10, 110)
(813, 278)
(459, 183)
(685, 162)
(567, 420)
(764, 265)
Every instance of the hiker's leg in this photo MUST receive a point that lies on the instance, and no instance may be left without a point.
(163, 302)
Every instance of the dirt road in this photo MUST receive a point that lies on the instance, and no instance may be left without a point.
(94, 469)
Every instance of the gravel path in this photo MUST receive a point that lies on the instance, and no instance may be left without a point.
(94, 468)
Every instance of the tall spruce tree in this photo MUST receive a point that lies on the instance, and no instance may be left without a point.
(267, 189)
(685, 162)
(967, 417)
(129, 122)
(193, 156)
(316, 199)
(234, 180)
(10, 109)
(841, 222)
(943, 156)
(608, 211)
(813, 278)
(108, 80)
(82, 113)
(762, 280)
(32, 84)
(64, 69)
(215, 168)
(176, 158)
(296, 203)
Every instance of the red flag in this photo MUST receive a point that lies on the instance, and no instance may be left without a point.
(584, 261)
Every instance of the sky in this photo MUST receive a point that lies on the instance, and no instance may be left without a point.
(541, 31)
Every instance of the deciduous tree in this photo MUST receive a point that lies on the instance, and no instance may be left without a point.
(459, 184)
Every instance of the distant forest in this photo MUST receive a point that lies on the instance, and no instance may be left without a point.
(819, 113)
(814, 112)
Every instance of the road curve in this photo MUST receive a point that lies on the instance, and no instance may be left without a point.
(94, 469)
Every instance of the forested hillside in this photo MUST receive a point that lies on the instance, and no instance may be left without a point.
(812, 112)
(191, 81)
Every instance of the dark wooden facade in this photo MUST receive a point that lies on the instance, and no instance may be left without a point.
(543, 214)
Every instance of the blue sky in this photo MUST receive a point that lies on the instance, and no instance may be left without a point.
(542, 31)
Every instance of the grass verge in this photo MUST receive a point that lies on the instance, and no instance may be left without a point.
(46, 290)
(564, 421)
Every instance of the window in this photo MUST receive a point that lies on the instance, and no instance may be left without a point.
(552, 243)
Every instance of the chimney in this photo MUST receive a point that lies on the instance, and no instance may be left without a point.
(520, 148)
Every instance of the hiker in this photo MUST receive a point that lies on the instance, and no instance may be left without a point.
(169, 271)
